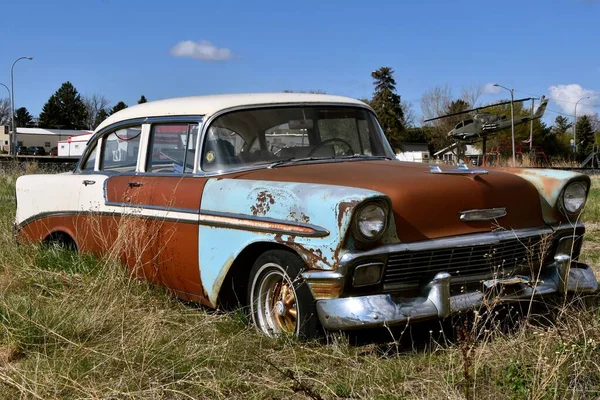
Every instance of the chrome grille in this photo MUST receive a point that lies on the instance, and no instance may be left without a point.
(412, 268)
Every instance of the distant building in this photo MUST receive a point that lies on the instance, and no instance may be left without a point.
(414, 152)
(74, 145)
(472, 154)
(46, 138)
(4, 138)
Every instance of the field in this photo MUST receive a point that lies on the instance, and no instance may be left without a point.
(73, 326)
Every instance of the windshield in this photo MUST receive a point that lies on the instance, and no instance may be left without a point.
(292, 134)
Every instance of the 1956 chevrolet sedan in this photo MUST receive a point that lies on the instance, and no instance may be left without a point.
(295, 206)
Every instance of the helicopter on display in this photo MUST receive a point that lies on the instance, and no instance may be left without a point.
(482, 124)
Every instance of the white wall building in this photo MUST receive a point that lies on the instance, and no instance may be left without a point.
(46, 138)
(74, 145)
(414, 152)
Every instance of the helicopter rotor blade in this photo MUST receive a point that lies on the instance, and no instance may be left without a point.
(477, 109)
(449, 115)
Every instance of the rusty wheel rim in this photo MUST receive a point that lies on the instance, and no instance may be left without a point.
(276, 306)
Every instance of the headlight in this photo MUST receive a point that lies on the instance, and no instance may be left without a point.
(371, 221)
(574, 197)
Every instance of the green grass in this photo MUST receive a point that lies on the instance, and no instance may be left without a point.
(73, 326)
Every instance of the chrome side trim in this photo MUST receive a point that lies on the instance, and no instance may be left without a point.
(483, 214)
(207, 218)
(76, 214)
(260, 224)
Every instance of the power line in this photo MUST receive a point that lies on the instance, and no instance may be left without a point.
(561, 101)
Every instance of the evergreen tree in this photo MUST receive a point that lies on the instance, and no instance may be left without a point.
(585, 136)
(118, 107)
(64, 109)
(387, 104)
(142, 100)
(22, 118)
(561, 125)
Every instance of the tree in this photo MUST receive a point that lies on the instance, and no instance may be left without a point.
(5, 111)
(94, 105)
(410, 118)
(561, 125)
(118, 107)
(142, 100)
(595, 121)
(387, 104)
(585, 136)
(102, 115)
(64, 109)
(22, 118)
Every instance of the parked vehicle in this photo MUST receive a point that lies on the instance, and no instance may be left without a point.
(37, 151)
(294, 205)
(54, 151)
(22, 150)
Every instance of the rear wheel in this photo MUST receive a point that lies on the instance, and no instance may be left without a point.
(280, 302)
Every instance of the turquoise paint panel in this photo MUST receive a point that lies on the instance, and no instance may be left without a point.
(326, 206)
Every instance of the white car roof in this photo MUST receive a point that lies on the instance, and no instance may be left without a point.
(208, 105)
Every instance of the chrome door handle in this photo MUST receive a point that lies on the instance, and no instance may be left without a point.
(135, 184)
(87, 183)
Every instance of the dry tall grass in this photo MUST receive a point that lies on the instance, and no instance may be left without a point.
(73, 326)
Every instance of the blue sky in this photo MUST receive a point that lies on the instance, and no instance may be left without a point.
(124, 48)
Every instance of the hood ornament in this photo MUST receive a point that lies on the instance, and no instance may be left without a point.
(461, 169)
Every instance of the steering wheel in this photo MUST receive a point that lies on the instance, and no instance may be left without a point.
(324, 142)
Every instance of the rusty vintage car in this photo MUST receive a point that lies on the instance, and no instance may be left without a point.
(295, 206)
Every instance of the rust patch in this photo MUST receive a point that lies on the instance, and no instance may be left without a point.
(264, 200)
(345, 207)
(301, 217)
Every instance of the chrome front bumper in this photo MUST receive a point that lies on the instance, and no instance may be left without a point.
(562, 276)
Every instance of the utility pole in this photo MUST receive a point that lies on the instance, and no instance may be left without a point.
(512, 120)
(531, 126)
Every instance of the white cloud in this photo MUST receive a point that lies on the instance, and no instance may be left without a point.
(489, 88)
(566, 96)
(202, 50)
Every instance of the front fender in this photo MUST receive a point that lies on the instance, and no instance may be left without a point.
(549, 183)
(236, 213)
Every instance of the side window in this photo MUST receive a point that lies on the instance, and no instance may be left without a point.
(91, 161)
(222, 148)
(120, 150)
(172, 148)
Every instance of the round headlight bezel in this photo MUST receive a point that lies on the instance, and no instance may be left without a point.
(563, 205)
(358, 232)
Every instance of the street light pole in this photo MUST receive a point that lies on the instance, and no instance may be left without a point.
(8, 90)
(575, 128)
(512, 120)
(12, 104)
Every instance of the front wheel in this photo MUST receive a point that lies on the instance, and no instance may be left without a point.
(280, 301)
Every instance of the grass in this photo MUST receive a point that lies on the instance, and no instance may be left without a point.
(73, 326)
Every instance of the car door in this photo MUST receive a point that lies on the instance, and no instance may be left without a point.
(163, 199)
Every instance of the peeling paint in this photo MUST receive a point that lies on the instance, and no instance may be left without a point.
(549, 184)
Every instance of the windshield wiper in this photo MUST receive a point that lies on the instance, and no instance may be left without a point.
(365, 156)
(295, 160)
(302, 159)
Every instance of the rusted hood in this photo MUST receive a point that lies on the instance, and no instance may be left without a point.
(425, 205)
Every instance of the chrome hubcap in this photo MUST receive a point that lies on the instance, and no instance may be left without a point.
(275, 302)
